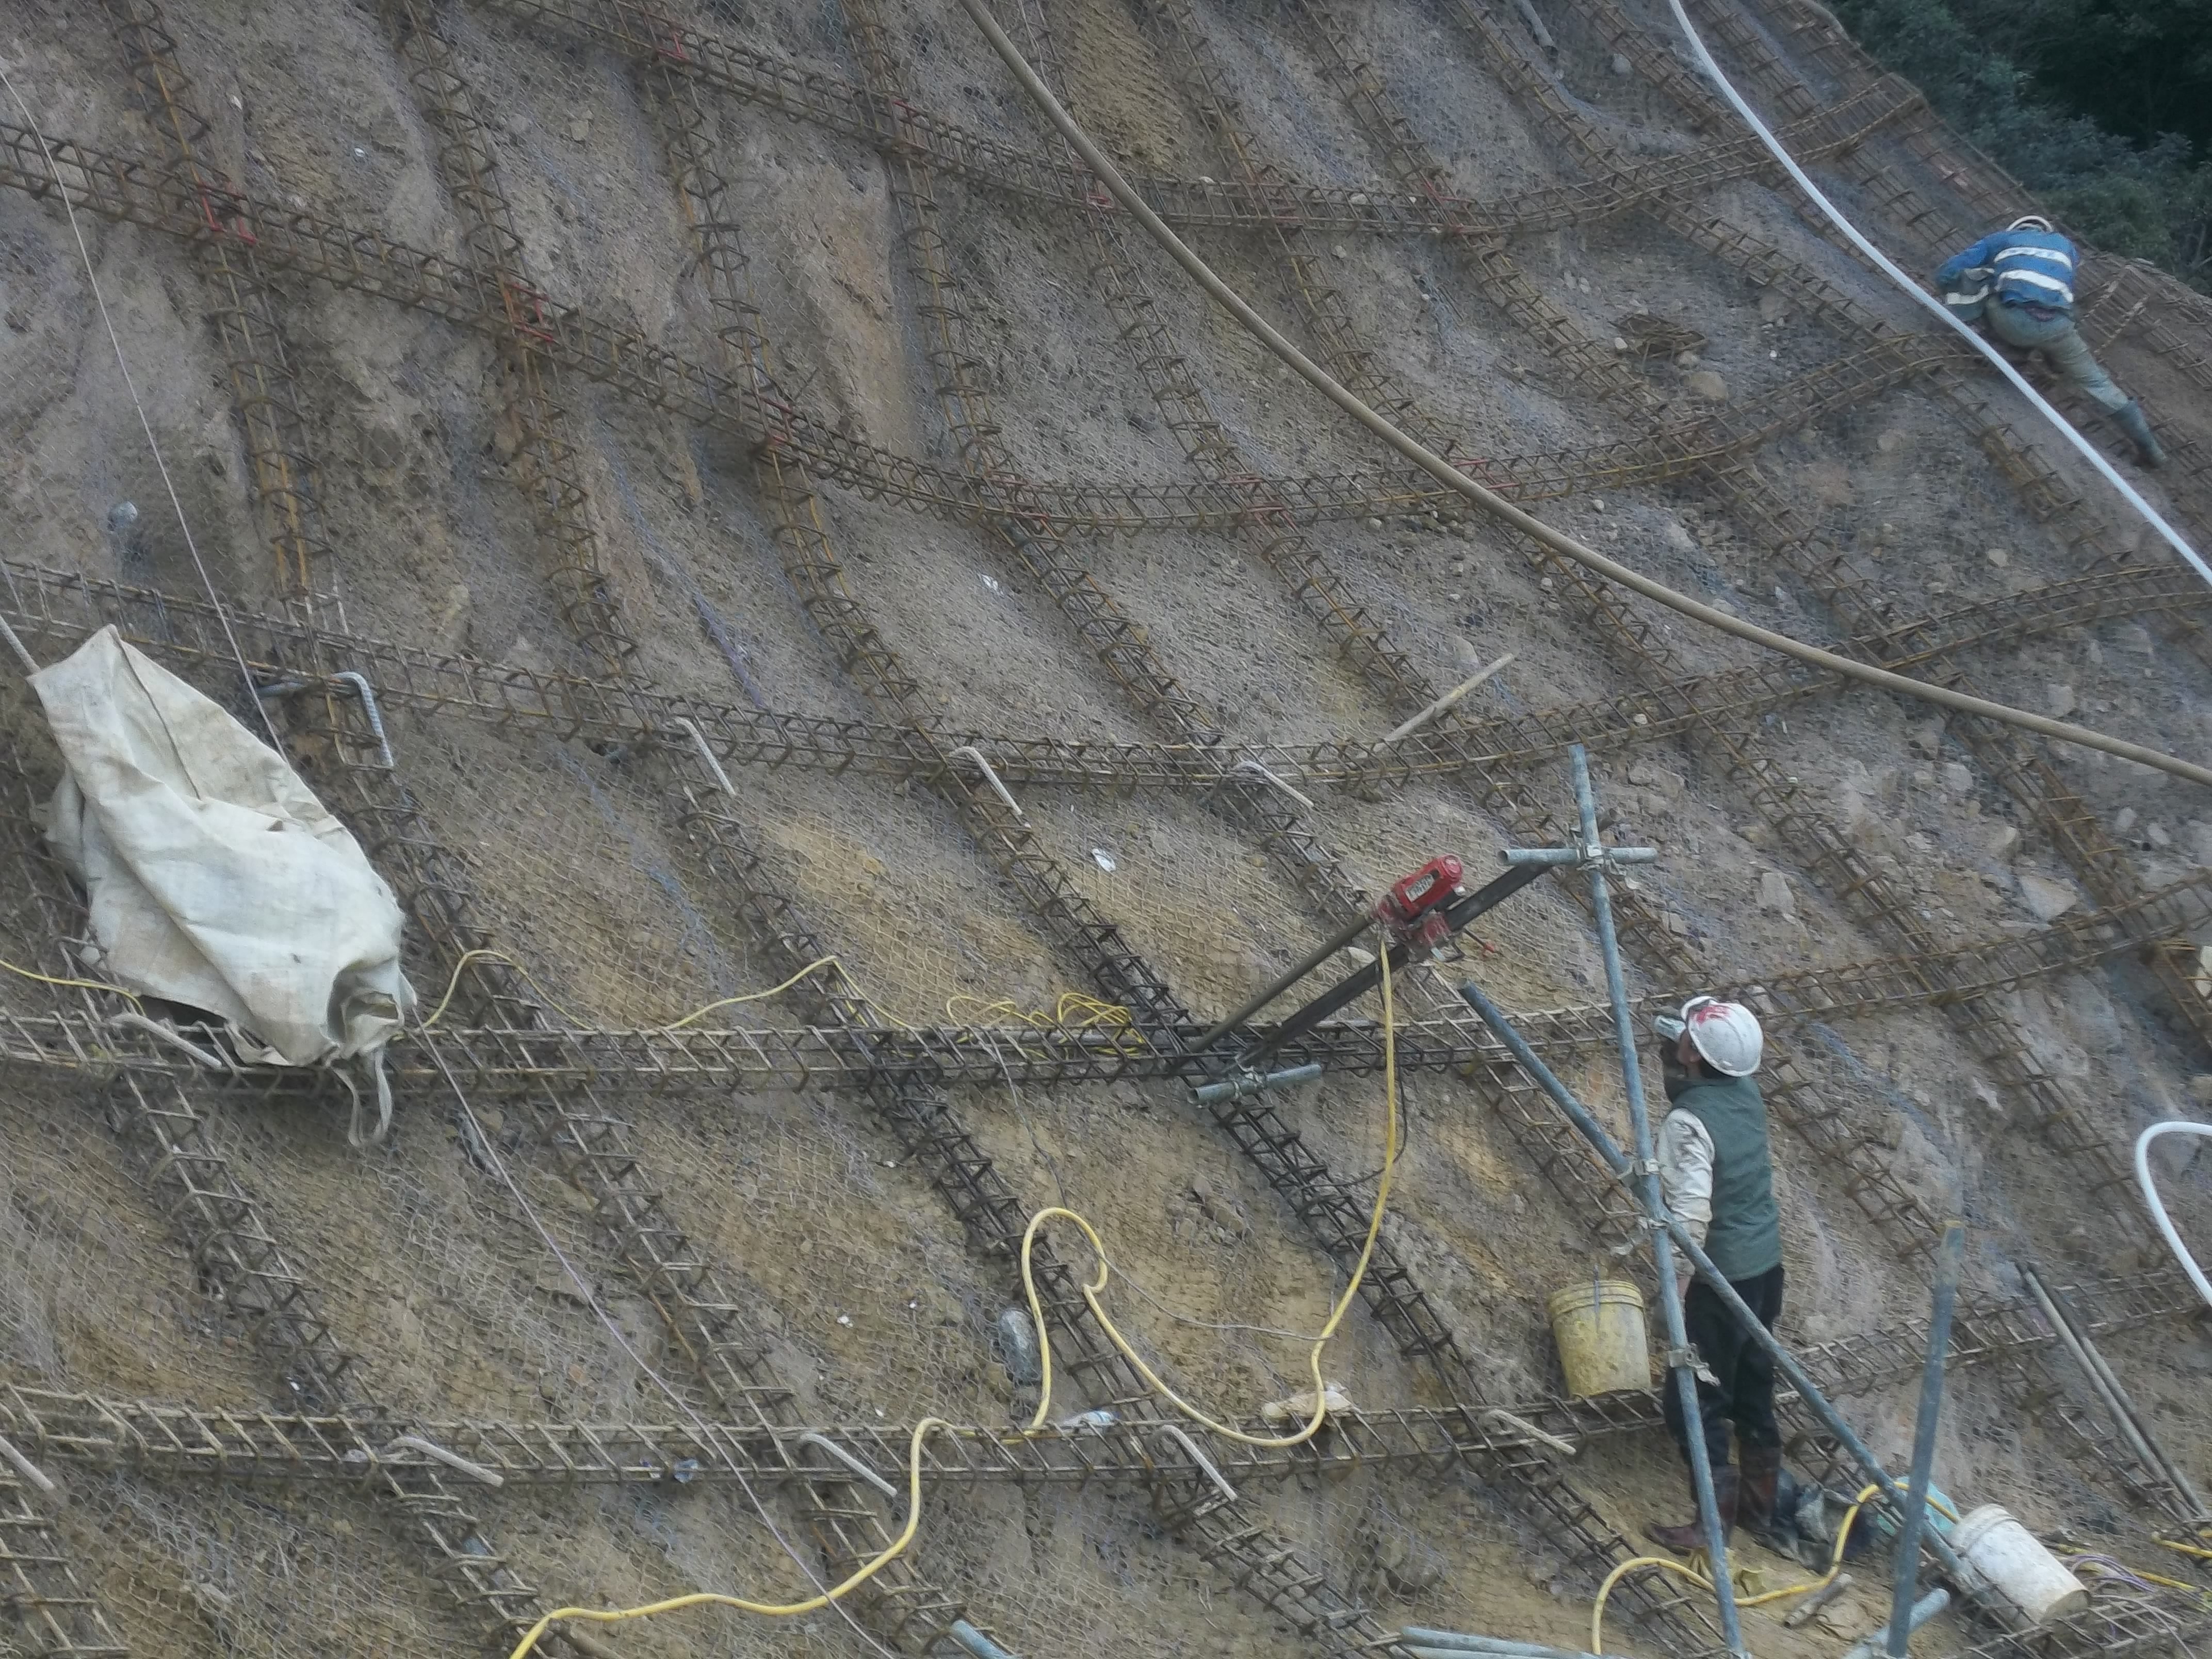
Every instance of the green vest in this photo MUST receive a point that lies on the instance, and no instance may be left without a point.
(1745, 1238)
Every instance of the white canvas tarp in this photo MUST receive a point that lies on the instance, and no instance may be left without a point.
(216, 878)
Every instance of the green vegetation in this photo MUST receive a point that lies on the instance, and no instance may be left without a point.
(2102, 107)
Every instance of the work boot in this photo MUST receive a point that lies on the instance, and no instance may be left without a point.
(2129, 417)
(1690, 1537)
(1761, 1475)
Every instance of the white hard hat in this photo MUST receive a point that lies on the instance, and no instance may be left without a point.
(2030, 222)
(1726, 1034)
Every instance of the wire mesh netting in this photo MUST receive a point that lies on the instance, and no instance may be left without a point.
(593, 890)
(201, 1570)
(500, 1279)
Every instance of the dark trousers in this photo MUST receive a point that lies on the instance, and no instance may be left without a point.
(1744, 1395)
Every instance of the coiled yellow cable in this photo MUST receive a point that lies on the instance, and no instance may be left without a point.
(1072, 1009)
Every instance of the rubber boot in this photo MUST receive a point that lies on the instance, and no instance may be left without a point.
(1690, 1537)
(1762, 1473)
(2129, 417)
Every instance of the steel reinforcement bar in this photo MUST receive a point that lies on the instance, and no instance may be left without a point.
(239, 1261)
(507, 1059)
(899, 128)
(1549, 1144)
(558, 339)
(1278, 1151)
(2127, 291)
(490, 301)
(2029, 776)
(263, 391)
(1845, 872)
(988, 1210)
(2136, 296)
(1269, 1571)
(240, 1266)
(930, 1135)
(706, 1327)
(1863, 889)
(1118, 643)
(1207, 87)
(166, 1439)
(2125, 299)
(705, 1320)
(2169, 317)
(48, 1607)
(544, 455)
(61, 608)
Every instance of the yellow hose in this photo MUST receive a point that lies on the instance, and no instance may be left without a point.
(765, 1609)
(1097, 1283)
(78, 984)
(500, 956)
(1835, 1565)
(1094, 1012)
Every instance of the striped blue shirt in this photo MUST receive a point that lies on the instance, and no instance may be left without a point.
(2027, 267)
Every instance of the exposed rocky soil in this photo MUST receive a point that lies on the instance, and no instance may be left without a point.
(846, 1257)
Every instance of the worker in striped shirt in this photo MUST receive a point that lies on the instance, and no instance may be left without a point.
(2019, 281)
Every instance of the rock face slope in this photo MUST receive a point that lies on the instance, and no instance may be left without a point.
(716, 499)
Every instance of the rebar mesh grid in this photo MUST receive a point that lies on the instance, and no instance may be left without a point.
(631, 899)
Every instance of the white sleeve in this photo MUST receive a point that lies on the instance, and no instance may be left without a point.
(1686, 1176)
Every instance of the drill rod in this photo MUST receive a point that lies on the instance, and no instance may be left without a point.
(1457, 914)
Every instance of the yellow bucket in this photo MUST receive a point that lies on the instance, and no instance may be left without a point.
(1599, 1326)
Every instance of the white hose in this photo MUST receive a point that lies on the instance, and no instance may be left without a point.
(2181, 1253)
(1928, 301)
(824, 1442)
(1174, 1432)
(1488, 500)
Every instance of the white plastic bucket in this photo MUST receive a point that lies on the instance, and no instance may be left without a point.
(2006, 1557)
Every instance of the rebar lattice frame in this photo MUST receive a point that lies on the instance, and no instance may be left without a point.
(168, 1438)
(1846, 873)
(2018, 766)
(240, 1265)
(39, 1585)
(59, 608)
(227, 242)
(545, 447)
(1327, 1205)
(1223, 1533)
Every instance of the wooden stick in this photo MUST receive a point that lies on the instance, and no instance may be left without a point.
(24, 1466)
(1448, 699)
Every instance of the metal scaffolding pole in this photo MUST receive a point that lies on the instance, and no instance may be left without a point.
(1659, 1220)
(1948, 1255)
(1682, 1365)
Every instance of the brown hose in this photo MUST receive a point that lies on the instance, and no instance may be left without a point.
(1445, 473)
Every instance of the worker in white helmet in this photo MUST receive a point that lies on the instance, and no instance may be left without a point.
(2020, 282)
(1718, 1179)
